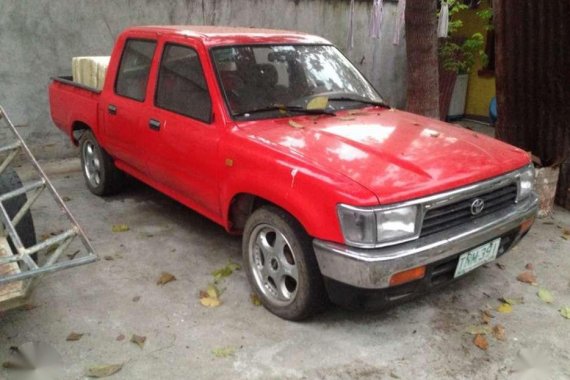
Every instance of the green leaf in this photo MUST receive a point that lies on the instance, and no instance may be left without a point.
(545, 295)
(479, 330)
(120, 228)
(565, 312)
(225, 271)
(103, 370)
(223, 352)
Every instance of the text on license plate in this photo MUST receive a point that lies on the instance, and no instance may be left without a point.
(477, 257)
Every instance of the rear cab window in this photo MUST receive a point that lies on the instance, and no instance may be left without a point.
(134, 68)
(181, 86)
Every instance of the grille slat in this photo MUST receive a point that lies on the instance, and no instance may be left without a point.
(448, 216)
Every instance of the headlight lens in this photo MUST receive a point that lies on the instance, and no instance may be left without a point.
(396, 224)
(526, 183)
(369, 228)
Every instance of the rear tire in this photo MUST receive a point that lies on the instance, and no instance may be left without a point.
(101, 175)
(9, 181)
(281, 266)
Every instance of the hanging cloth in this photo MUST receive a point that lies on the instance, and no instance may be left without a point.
(376, 19)
(400, 21)
(350, 42)
(443, 22)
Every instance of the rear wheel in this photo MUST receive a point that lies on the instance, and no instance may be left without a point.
(101, 175)
(9, 181)
(281, 265)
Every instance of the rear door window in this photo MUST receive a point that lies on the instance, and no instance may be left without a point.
(134, 68)
(181, 84)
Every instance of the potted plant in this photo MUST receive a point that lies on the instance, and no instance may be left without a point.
(459, 55)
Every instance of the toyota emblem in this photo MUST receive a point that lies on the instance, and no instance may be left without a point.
(477, 206)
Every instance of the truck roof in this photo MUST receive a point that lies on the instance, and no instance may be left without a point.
(226, 35)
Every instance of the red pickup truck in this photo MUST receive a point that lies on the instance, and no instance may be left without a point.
(277, 136)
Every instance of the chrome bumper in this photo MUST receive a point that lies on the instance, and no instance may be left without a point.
(372, 268)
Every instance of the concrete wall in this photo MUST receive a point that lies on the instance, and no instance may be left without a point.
(38, 38)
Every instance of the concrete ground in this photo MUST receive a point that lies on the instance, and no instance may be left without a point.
(426, 338)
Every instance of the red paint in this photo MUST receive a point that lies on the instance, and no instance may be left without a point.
(376, 156)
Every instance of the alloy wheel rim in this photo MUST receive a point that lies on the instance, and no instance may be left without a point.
(92, 164)
(273, 264)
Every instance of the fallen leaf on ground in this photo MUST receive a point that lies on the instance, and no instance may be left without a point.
(109, 258)
(223, 352)
(295, 125)
(138, 340)
(210, 297)
(225, 271)
(120, 337)
(529, 266)
(136, 298)
(527, 277)
(255, 299)
(505, 308)
(73, 337)
(499, 332)
(120, 227)
(545, 295)
(486, 317)
(481, 342)
(165, 278)
(565, 312)
(100, 371)
(512, 301)
(65, 199)
(500, 266)
(478, 330)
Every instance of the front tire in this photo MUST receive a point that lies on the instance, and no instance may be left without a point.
(101, 176)
(281, 265)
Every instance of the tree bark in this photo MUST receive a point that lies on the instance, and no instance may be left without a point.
(421, 48)
(533, 81)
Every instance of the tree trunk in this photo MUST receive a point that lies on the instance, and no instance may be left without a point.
(532, 70)
(421, 48)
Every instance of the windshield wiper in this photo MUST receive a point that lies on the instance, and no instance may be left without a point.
(295, 109)
(359, 99)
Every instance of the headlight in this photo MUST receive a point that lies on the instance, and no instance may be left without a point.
(526, 182)
(369, 228)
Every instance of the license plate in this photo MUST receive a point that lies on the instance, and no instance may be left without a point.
(477, 257)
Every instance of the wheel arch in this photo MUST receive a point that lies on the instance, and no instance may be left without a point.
(78, 127)
(243, 204)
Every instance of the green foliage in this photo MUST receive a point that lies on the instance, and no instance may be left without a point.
(460, 57)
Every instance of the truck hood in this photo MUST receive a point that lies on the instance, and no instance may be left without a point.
(396, 155)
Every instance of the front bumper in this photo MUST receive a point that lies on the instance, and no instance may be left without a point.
(373, 268)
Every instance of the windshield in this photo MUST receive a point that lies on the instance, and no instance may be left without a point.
(266, 80)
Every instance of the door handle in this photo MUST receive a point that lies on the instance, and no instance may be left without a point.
(112, 109)
(154, 124)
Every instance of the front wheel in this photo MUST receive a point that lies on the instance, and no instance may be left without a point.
(101, 175)
(281, 265)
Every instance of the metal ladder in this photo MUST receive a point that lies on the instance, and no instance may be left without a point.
(23, 267)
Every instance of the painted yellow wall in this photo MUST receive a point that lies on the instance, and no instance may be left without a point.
(480, 89)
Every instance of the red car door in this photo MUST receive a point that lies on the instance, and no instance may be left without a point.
(122, 106)
(181, 136)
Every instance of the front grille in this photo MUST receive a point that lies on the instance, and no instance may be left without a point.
(454, 214)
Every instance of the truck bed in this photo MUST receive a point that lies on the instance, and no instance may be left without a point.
(71, 102)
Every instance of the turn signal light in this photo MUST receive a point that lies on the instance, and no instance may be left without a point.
(407, 276)
(525, 226)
